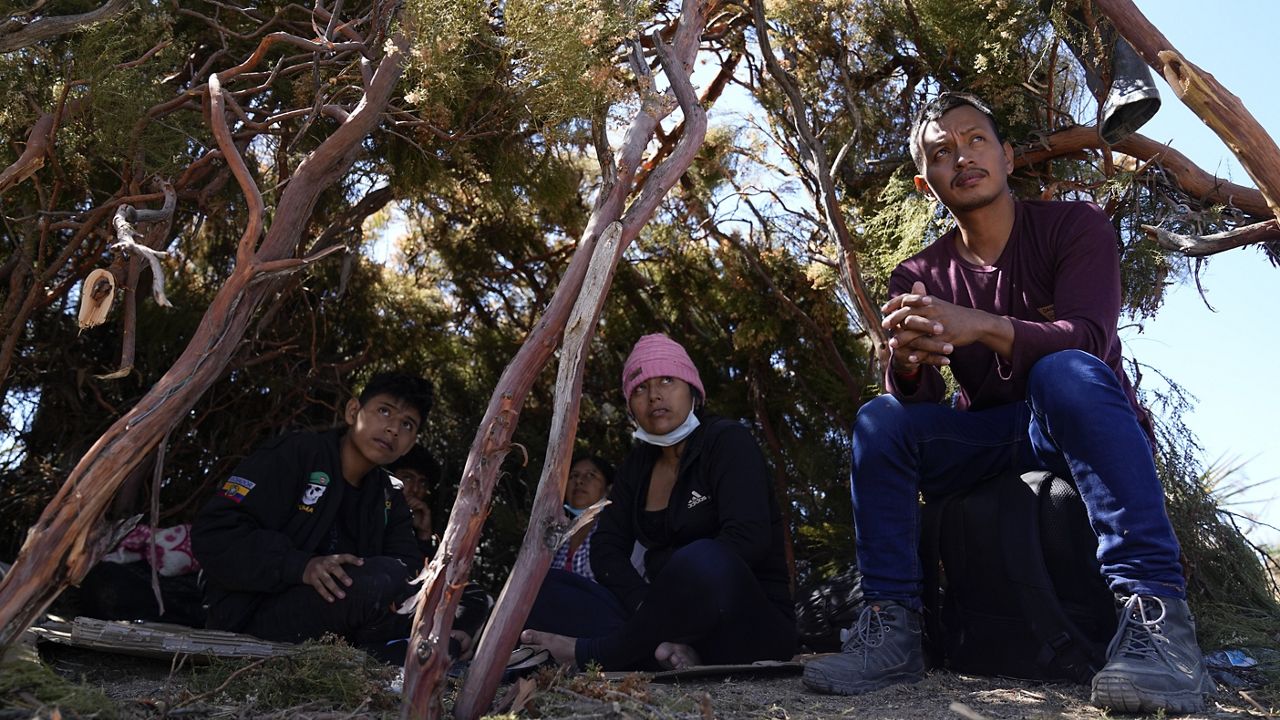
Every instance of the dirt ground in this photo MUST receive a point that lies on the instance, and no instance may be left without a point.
(934, 697)
(148, 689)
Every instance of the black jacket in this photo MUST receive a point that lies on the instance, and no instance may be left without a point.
(722, 492)
(256, 534)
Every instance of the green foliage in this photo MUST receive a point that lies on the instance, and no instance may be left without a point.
(830, 544)
(550, 60)
(325, 674)
(903, 225)
(488, 156)
(31, 687)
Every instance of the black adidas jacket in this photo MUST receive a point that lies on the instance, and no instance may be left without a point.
(722, 492)
(254, 537)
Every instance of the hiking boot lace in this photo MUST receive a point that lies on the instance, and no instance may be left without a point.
(1141, 637)
(868, 632)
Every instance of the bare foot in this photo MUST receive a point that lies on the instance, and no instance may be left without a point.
(561, 646)
(676, 656)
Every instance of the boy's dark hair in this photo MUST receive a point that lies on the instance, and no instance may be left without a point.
(417, 391)
(938, 107)
(604, 466)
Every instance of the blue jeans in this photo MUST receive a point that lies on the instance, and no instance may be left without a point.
(570, 604)
(1077, 422)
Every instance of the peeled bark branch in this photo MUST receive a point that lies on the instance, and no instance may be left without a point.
(125, 243)
(1200, 246)
(708, 97)
(1216, 106)
(231, 154)
(1193, 181)
(677, 63)
(546, 519)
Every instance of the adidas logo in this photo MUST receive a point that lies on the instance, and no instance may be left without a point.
(696, 498)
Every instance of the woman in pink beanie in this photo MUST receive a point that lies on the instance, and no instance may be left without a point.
(695, 495)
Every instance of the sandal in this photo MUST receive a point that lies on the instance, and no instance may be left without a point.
(525, 661)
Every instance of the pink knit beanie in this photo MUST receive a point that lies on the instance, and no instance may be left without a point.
(657, 355)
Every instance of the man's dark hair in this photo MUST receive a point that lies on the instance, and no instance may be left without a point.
(414, 390)
(938, 107)
(604, 466)
(420, 459)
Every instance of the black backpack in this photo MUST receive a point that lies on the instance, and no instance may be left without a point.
(825, 609)
(1021, 594)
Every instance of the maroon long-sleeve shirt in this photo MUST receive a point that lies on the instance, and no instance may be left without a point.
(1058, 281)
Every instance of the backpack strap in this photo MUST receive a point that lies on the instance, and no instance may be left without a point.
(930, 560)
(1061, 641)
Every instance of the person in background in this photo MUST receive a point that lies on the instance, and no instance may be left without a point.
(419, 475)
(590, 477)
(421, 478)
(570, 602)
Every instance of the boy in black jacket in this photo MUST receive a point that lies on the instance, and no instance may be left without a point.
(310, 535)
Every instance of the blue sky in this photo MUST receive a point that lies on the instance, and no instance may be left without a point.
(1221, 357)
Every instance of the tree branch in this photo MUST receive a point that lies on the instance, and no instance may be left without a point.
(32, 158)
(814, 161)
(446, 575)
(218, 118)
(125, 242)
(1216, 106)
(546, 518)
(1200, 246)
(677, 62)
(51, 27)
(1194, 181)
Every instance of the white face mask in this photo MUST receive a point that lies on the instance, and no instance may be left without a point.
(690, 424)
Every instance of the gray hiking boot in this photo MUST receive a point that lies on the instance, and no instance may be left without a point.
(1153, 662)
(883, 648)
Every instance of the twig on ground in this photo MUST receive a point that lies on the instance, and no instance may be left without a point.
(1244, 694)
(965, 711)
(210, 693)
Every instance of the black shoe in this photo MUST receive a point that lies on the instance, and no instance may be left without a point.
(883, 648)
(1153, 663)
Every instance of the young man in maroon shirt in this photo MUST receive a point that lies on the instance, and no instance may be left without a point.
(1021, 300)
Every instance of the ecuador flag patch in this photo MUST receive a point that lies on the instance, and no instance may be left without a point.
(235, 488)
